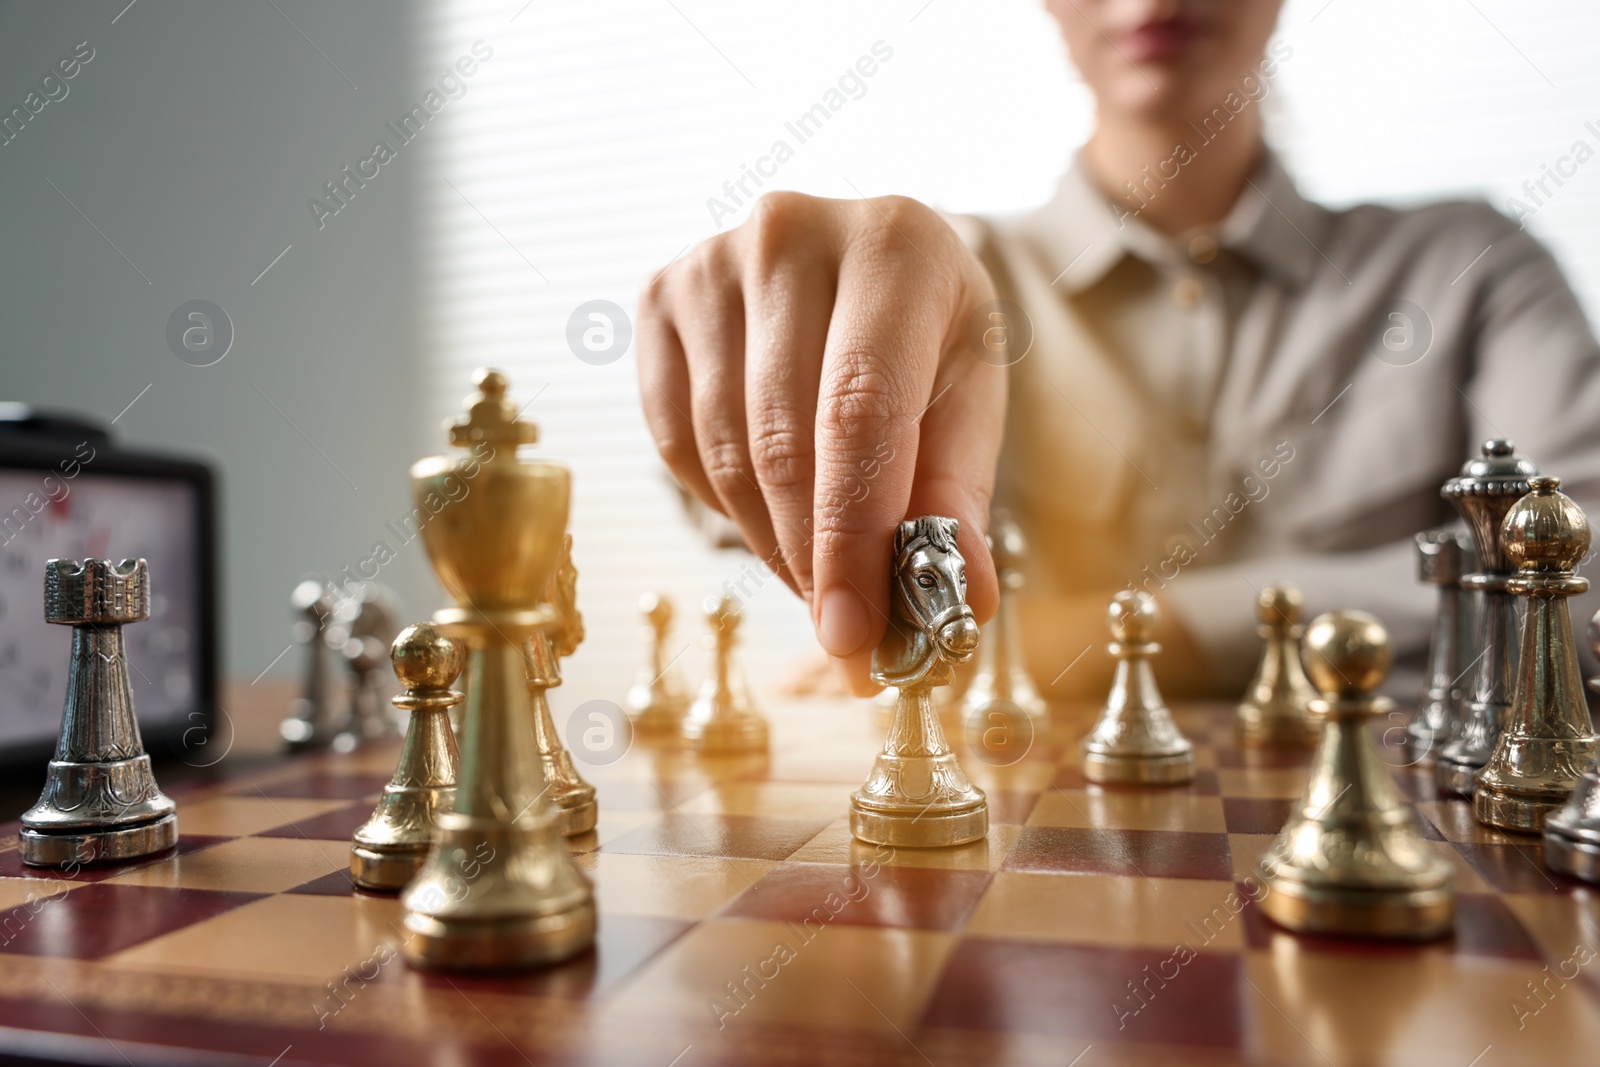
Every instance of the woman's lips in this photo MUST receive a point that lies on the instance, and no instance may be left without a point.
(1155, 42)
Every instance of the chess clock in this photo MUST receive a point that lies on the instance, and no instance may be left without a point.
(69, 490)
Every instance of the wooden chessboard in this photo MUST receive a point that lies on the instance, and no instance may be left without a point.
(1021, 949)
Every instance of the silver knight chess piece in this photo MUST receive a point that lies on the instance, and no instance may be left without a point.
(1443, 556)
(1572, 834)
(917, 794)
(1484, 491)
(100, 801)
(1135, 740)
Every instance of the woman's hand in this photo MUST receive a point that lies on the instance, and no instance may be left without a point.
(808, 374)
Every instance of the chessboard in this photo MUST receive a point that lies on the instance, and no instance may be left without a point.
(740, 924)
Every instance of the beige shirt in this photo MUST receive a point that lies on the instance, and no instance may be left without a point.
(1280, 403)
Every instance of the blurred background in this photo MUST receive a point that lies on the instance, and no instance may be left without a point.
(569, 149)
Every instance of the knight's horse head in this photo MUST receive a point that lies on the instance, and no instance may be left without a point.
(931, 627)
(562, 594)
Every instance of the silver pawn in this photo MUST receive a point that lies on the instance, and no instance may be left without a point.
(1572, 834)
(365, 624)
(100, 801)
(1135, 741)
(1443, 556)
(315, 717)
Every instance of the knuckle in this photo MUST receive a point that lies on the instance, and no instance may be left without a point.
(776, 224)
(678, 452)
(858, 398)
(781, 454)
(727, 469)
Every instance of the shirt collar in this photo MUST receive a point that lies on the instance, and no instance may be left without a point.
(1271, 225)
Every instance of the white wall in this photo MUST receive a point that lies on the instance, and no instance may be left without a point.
(193, 140)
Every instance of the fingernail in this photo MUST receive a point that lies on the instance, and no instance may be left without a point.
(842, 623)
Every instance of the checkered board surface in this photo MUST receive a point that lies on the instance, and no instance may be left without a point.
(250, 946)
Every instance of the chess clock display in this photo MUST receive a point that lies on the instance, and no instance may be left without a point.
(69, 490)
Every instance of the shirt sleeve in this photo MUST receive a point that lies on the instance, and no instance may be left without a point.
(1532, 374)
(1217, 605)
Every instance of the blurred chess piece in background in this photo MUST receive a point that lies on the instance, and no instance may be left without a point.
(1572, 834)
(315, 717)
(659, 697)
(1276, 709)
(366, 620)
(1000, 675)
(725, 718)
(1443, 556)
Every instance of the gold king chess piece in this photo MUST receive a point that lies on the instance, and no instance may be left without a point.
(1572, 834)
(1276, 709)
(100, 801)
(724, 718)
(1483, 493)
(389, 848)
(1351, 860)
(917, 795)
(1548, 739)
(1135, 740)
(499, 888)
(1001, 682)
(572, 796)
(659, 699)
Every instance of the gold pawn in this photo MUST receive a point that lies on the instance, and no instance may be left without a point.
(1276, 709)
(1548, 739)
(1351, 860)
(658, 700)
(1000, 681)
(389, 848)
(724, 718)
(573, 797)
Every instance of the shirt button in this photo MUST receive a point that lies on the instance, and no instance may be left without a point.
(1203, 249)
(1188, 292)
